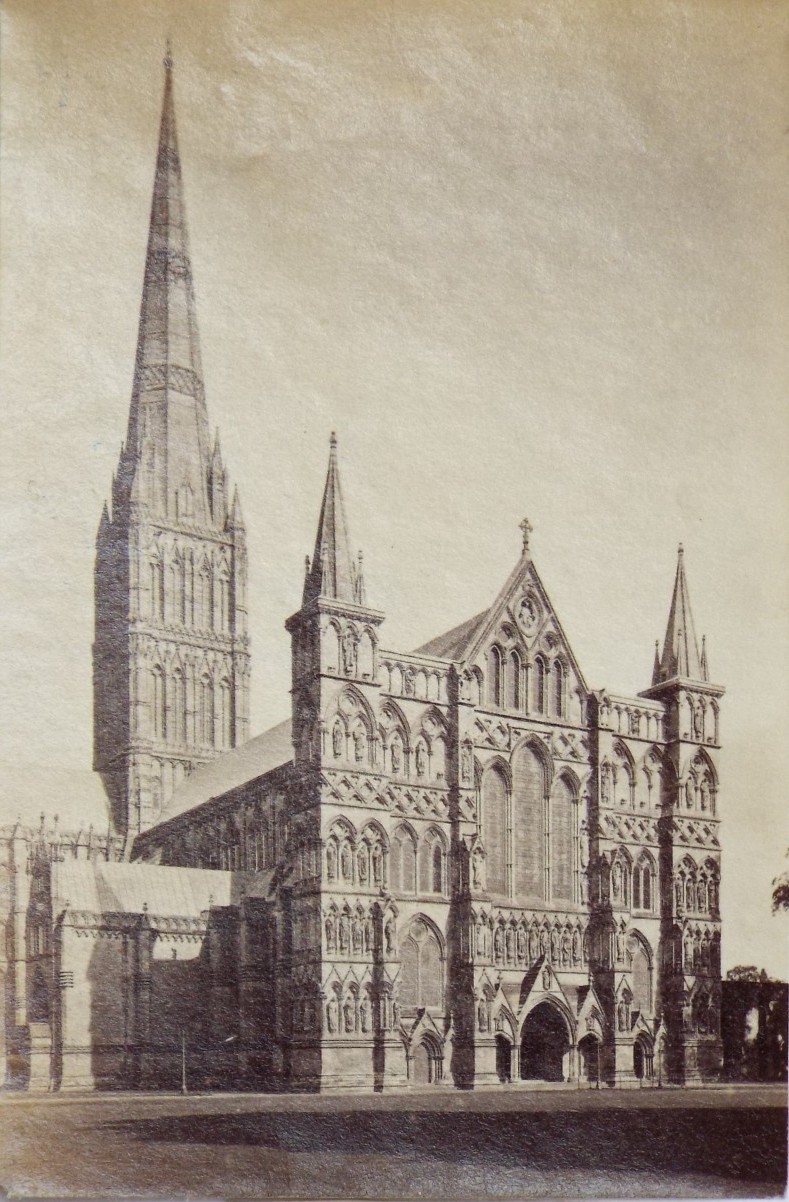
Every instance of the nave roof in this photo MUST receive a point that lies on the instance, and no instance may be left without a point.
(251, 760)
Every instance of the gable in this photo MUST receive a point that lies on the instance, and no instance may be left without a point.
(520, 654)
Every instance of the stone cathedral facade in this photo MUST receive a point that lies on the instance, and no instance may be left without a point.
(455, 866)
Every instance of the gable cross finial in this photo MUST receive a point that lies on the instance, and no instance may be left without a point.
(526, 529)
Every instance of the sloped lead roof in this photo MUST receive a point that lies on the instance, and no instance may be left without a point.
(245, 763)
(454, 643)
(131, 888)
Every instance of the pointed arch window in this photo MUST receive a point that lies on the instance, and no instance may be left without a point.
(158, 711)
(539, 685)
(157, 590)
(438, 869)
(514, 681)
(225, 714)
(207, 723)
(557, 687)
(178, 706)
(495, 673)
(224, 603)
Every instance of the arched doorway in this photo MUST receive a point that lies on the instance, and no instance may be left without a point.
(642, 1058)
(426, 1062)
(503, 1058)
(420, 1065)
(545, 1045)
(589, 1052)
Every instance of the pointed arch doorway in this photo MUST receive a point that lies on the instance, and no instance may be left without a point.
(545, 1045)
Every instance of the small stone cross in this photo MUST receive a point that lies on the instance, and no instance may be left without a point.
(526, 528)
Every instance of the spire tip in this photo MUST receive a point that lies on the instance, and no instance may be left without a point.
(168, 54)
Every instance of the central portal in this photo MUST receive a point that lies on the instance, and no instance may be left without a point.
(545, 1045)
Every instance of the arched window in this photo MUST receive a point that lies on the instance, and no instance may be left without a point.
(421, 968)
(646, 887)
(178, 706)
(562, 840)
(188, 588)
(365, 656)
(539, 685)
(438, 869)
(207, 728)
(224, 603)
(494, 676)
(158, 712)
(494, 820)
(557, 681)
(225, 714)
(514, 681)
(402, 863)
(157, 590)
(205, 598)
(528, 824)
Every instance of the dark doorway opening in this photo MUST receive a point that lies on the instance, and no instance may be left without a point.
(503, 1059)
(642, 1059)
(544, 1045)
(589, 1052)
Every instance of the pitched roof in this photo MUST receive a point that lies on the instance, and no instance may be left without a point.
(452, 644)
(77, 796)
(245, 763)
(131, 888)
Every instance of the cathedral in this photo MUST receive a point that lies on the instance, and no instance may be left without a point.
(458, 866)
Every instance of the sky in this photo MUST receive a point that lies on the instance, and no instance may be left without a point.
(526, 258)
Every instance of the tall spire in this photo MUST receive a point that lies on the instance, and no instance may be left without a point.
(168, 437)
(680, 650)
(333, 573)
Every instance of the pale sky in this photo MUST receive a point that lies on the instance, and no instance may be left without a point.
(525, 257)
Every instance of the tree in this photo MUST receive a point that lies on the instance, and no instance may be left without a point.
(781, 892)
(746, 972)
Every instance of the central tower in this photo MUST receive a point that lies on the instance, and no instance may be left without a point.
(171, 650)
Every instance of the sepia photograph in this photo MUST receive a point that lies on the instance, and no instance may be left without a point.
(395, 594)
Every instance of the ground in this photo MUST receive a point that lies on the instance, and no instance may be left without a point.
(433, 1144)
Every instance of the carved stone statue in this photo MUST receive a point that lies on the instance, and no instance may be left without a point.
(363, 864)
(331, 861)
(498, 943)
(482, 1015)
(347, 1013)
(421, 759)
(389, 936)
(357, 933)
(476, 869)
(345, 932)
(331, 1015)
(346, 863)
(337, 740)
(397, 756)
(510, 944)
(521, 945)
(331, 933)
(466, 763)
(378, 864)
(359, 744)
(349, 651)
(364, 1015)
